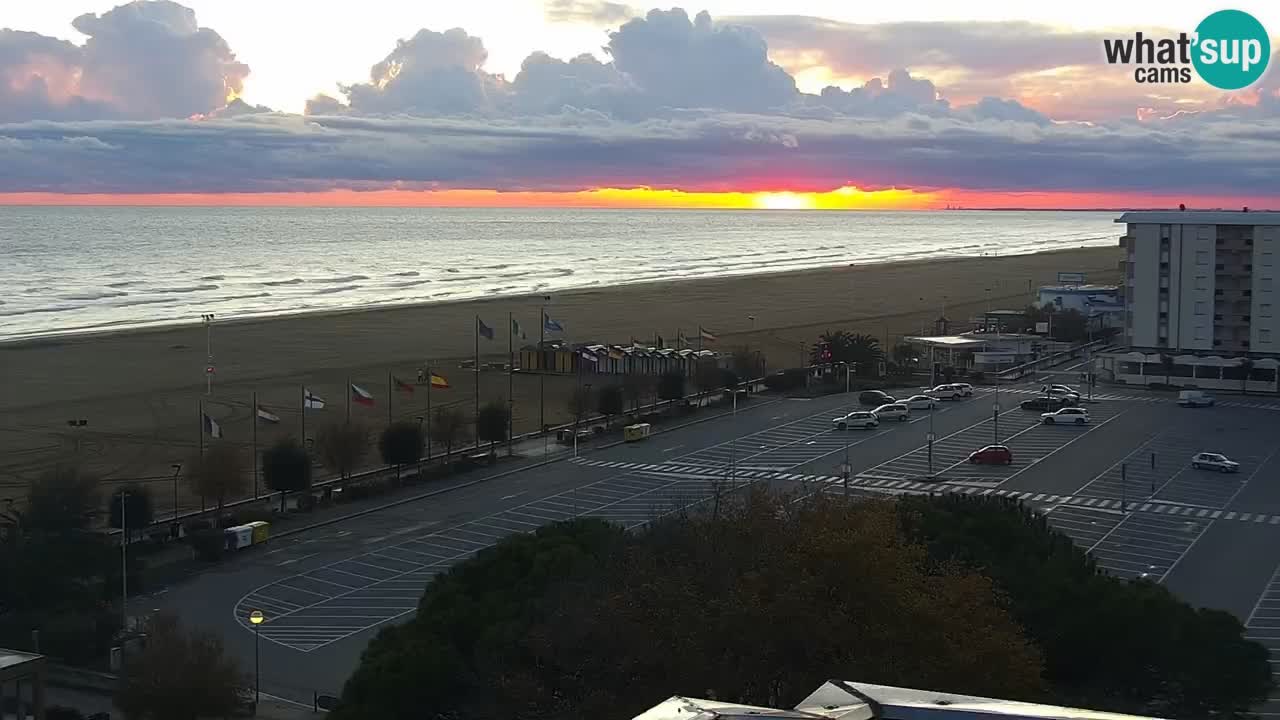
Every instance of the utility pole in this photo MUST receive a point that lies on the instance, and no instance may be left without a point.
(124, 561)
(207, 318)
(847, 468)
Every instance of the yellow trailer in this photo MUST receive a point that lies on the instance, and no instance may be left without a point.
(635, 433)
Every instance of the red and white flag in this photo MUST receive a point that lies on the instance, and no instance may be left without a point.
(360, 395)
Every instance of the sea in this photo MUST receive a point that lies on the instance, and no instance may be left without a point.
(80, 269)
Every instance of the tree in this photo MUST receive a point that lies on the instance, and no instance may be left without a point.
(580, 400)
(286, 467)
(448, 426)
(342, 446)
(671, 385)
(136, 502)
(905, 354)
(401, 444)
(583, 620)
(181, 675)
(862, 351)
(709, 378)
(634, 387)
(219, 473)
(746, 362)
(610, 402)
(1246, 366)
(1166, 364)
(61, 500)
(729, 379)
(1109, 644)
(493, 422)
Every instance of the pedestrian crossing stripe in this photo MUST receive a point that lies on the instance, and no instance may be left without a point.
(966, 487)
(1150, 399)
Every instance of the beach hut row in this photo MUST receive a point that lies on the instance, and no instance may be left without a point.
(601, 359)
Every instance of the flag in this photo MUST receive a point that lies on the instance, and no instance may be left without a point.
(706, 334)
(551, 325)
(657, 342)
(402, 385)
(263, 414)
(589, 356)
(484, 330)
(617, 354)
(515, 329)
(360, 395)
(311, 401)
(212, 427)
(439, 381)
(680, 340)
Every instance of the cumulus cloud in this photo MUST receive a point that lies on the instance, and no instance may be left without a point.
(588, 12)
(145, 59)
(877, 98)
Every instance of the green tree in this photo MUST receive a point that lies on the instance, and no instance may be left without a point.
(610, 402)
(61, 500)
(135, 500)
(342, 446)
(1108, 643)
(286, 468)
(219, 473)
(583, 620)
(493, 422)
(1246, 367)
(1166, 364)
(862, 351)
(181, 675)
(400, 444)
(671, 385)
(448, 427)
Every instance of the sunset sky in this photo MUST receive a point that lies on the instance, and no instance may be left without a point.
(594, 103)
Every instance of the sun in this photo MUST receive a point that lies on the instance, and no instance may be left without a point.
(783, 201)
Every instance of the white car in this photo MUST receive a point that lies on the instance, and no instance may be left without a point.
(1214, 461)
(920, 402)
(945, 392)
(1066, 416)
(893, 411)
(963, 389)
(864, 419)
(1062, 391)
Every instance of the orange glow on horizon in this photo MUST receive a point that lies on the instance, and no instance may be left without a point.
(845, 198)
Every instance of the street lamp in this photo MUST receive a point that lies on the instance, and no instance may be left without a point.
(207, 318)
(256, 618)
(847, 468)
(177, 470)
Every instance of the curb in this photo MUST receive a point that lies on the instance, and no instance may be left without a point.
(495, 476)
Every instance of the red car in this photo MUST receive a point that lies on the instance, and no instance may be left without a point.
(992, 455)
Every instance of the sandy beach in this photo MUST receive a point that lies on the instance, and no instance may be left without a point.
(140, 391)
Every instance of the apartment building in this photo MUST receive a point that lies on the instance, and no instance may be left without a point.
(1202, 283)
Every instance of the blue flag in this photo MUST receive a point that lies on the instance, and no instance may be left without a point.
(551, 325)
(483, 329)
(515, 329)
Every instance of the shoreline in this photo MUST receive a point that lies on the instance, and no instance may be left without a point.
(60, 337)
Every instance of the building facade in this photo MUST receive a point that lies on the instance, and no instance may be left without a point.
(1103, 305)
(1202, 283)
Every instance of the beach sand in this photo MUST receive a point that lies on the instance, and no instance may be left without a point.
(141, 390)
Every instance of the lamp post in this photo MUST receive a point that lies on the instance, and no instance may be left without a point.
(177, 470)
(207, 318)
(256, 618)
(847, 469)
(124, 560)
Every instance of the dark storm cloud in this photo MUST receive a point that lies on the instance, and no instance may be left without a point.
(691, 151)
(141, 60)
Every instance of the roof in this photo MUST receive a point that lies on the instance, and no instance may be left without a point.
(1080, 288)
(14, 664)
(945, 340)
(1216, 217)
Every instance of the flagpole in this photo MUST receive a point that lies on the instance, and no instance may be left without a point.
(253, 418)
(201, 416)
(699, 341)
(511, 379)
(542, 370)
(390, 397)
(304, 416)
(430, 375)
(475, 418)
(348, 399)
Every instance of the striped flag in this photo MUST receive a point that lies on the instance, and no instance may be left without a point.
(311, 401)
(360, 395)
(402, 386)
(263, 414)
(551, 325)
(211, 426)
(706, 334)
(439, 381)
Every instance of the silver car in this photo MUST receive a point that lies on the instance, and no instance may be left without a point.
(1214, 461)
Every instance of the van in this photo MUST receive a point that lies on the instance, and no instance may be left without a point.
(1195, 398)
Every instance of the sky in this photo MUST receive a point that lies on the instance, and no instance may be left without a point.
(725, 103)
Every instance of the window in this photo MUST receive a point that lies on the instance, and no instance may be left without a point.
(1265, 310)
(1266, 258)
(1202, 232)
(1264, 336)
(1165, 232)
(1202, 307)
(1266, 284)
(1202, 257)
(1202, 282)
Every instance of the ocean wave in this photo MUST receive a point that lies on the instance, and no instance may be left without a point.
(332, 290)
(40, 311)
(451, 270)
(36, 290)
(407, 283)
(561, 272)
(228, 298)
(144, 301)
(277, 283)
(186, 289)
(124, 283)
(213, 277)
(345, 279)
(464, 278)
(94, 296)
(410, 273)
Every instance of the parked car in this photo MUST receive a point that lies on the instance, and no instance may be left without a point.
(1066, 415)
(1214, 461)
(963, 389)
(992, 455)
(921, 402)
(1195, 398)
(893, 411)
(1059, 391)
(857, 419)
(945, 392)
(875, 398)
(1047, 402)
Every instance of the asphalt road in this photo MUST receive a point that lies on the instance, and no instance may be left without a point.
(1209, 537)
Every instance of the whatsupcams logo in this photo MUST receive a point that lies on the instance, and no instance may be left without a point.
(1229, 50)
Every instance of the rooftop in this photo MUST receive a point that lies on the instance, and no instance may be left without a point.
(1194, 217)
(1079, 288)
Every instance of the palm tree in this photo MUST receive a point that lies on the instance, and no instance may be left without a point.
(856, 349)
(1246, 364)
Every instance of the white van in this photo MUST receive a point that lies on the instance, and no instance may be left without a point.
(1195, 398)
